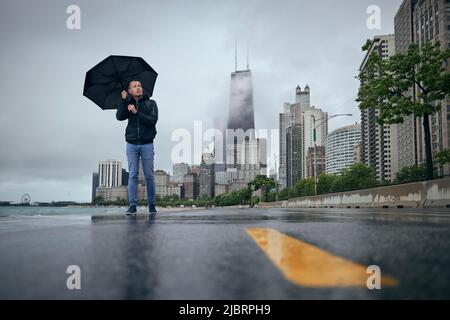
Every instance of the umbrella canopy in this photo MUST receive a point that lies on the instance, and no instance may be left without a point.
(104, 82)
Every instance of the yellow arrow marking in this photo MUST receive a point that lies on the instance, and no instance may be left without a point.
(309, 266)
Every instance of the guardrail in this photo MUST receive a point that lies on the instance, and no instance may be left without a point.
(425, 194)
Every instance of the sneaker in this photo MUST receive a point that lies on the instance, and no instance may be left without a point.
(131, 209)
(151, 208)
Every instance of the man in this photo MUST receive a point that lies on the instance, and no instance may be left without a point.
(142, 115)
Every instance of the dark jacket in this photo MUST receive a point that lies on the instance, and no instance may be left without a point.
(141, 126)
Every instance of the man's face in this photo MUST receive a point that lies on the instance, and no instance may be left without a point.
(135, 88)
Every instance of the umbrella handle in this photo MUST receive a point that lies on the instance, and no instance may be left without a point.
(121, 84)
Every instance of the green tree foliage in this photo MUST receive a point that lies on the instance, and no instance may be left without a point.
(442, 157)
(411, 174)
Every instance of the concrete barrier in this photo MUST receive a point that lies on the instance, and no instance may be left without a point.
(426, 194)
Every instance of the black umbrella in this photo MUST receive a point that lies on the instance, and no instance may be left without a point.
(104, 82)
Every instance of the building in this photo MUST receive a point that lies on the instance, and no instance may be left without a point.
(285, 120)
(225, 177)
(125, 177)
(113, 193)
(219, 141)
(206, 177)
(95, 178)
(208, 158)
(195, 168)
(162, 179)
(110, 173)
(340, 148)
(296, 125)
(175, 189)
(221, 189)
(241, 120)
(379, 142)
(313, 117)
(407, 132)
(273, 174)
(303, 97)
(244, 151)
(320, 159)
(179, 171)
(431, 22)
(357, 153)
(420, 22)
(294, 155)
(191, 186)
(252, 160)
(241, 113)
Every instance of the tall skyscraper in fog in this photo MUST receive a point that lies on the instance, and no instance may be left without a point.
(241, 118)
(240, 113)
(244, 152)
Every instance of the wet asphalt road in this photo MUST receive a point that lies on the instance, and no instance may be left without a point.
(207, 254)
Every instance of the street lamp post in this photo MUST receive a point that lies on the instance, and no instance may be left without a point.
(314, 139)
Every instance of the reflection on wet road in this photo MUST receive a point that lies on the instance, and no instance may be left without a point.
(230, 254)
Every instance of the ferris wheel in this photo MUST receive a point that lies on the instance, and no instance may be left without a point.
(26, 198)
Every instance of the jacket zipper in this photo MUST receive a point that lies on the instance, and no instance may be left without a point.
(137, 108)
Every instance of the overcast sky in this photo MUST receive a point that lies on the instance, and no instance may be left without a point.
(52, 137)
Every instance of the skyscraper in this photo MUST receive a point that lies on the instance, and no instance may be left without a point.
(296, 125)
(285, 122)
(161, 183)
(294, 154)
(179, 171)
(311, 117)
(407, 131)
(420, 22)
(340, 148)
(241, 121)
(319, 157)
(379, 142)
(206, 177)
(94, 185)
(244, 151)
(110, 173)
(303, 97)
(241, 113)
(431, 21)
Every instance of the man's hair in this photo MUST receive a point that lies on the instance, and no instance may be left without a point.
(133, 81)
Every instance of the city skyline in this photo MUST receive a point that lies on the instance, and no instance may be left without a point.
(77, 133)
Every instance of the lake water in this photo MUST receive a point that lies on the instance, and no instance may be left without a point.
(12, 211)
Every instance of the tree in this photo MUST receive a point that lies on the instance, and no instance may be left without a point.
(254, 200)
(385, 85)
(442, 157)
(358, 176)
(264, 183)
(284, 194)
(411, 174)
(303, 188)
(325, 183)
(98, 200)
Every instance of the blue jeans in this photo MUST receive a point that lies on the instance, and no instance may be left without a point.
(146, 153)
